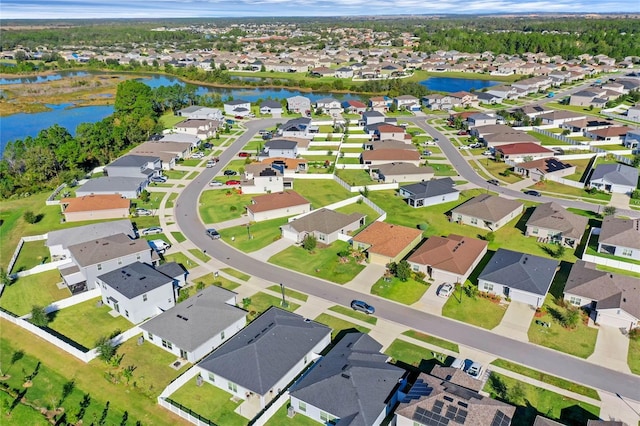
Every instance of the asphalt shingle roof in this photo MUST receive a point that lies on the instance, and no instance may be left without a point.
(520, 271)
(618, 174)
(488, 207)
(135, 279)
(555, 217)
(617, 231)
(324, 221)
(81, 234)
(430, 188)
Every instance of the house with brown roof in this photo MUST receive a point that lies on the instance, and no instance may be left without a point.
(325, 225)
(514, 137)
(456, 376)
(261, 179)
(557, 117)
(514, 153)
(541, 168)
(434, 401)
(611, 135)
(448, 259)
(400, 172)
(614, 299)
(383, 156)
(550, 222)
(487, 211)
(277, 204)
(94, 207)
(389, 131)
(620, 237)
(385, 243)
(290, 166)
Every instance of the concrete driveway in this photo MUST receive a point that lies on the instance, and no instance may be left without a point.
(516, 321)
(430, 301)
(611, 349)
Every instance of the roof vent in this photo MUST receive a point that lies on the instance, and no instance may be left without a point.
(344, 367)
(346, 376)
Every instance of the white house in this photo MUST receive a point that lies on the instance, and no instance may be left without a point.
(261, 179)
(429, 192)
(620, 237)
(237, 107)
(617, 178)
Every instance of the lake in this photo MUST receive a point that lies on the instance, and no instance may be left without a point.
(451, 85)
(42, 78)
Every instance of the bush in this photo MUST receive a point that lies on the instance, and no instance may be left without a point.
(233, 208)
(30, 217)
(144, 196)
(309, 242)
(635, 333)
(423, 226)
(39, 317)
(490, 236)
(105, 350)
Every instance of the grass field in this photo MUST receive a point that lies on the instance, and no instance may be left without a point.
(321, 192)
(371, 214)
(281, 418)
(339, 325)
(260, 302)
(558, 188)
(210, 279)
(479, 311)
(222, 205)
(33, 253)
(210, 402)
(445, 344)
(38, 289)
(410, 355)
(262, 234)
(407, 292)
(354, 177)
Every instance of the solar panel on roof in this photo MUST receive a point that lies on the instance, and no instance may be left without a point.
(500, 419)
(429, 418)
(437, 407)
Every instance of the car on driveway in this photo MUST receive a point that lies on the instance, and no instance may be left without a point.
(487, 152)
(151, 231)
(359, 305)
(215, 183)
(197, 155)
(158, 179)
(495, 182)
(233, 182)
(462, 133)
(533, 193)
(244, 154)
(143, 212)
(213, 234)
(159, 245)
(475, 370)
(445, 290)
(230, 172)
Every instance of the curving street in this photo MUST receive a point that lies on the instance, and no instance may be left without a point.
(556, 363)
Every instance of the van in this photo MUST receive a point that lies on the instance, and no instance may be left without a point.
(458, 364)
(159, 245)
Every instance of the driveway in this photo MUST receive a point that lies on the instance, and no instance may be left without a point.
(611, 349)
(265, 253)
(516, 320)
(430, 301)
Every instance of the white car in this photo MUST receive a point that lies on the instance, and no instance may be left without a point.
(197, 155)
(210, 164)
(446, 290)
(475, 370)
(215, 183)
(159, 245)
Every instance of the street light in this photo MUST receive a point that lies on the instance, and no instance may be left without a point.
(249, 231)
(284, 303)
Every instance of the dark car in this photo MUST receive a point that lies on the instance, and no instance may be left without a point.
(244, 154)
(533, 193)
(267, 136)
(207, 145)
(463, 132)
(230, 173)
(359, 305)
(495, 182)
(213, 234)
(232, 182)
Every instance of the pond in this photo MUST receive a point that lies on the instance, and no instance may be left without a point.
(42, 78)
(451, 85)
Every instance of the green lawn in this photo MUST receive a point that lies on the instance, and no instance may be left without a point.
(33, 253)
(262, 234)
(361, 316)
(280, 418)
(443, 170)
(289, 292)
(321, 192)
(501, 171)
(547, 378)
(22, 414)
(322, 263)
(174, 174)
(39, 289)
(533, 401)
(339, 325)
(237, 274)
(199, 254)
(347, 160)
(169, 120)
(210, 402)
(408, 292)
(479, 311)
(410, 355)
(171, 200)
(220, 281)
(260, 302)
(354, 177)
(180, 258)
(547, 140)
(191, 162)
(221, 205)
(633, 358)
(178, 236)
(453, 347)
(580, 341)
(66, 322)
(558, 188)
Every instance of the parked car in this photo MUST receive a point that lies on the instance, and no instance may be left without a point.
(487, 152)
(244, 154)
(143, 212)
(263, 132)
(426, 153)
(359, 305)
(495, 182)
(476, 145)
(215, 183)
(210, 164)
(463, 132)
(207, 145)
(464, 147)
(159, 245)
(239, 117)
(232, 182)
(151, 231)
(267, 136)
(533, 193)
(445, 290)
(230, 172)
(458, 363)
(197, 155)
(158, 179)
(213, 234)
(475, 370)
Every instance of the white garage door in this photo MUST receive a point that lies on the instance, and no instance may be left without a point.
(526, 297)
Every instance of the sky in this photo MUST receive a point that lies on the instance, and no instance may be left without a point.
(85, 9)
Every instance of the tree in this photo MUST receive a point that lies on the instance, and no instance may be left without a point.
(5, 278)
(609, 211)
(571, 317)
(105, 349)
(39, 316)
(403, 270)
(30, 217)
(309, 243)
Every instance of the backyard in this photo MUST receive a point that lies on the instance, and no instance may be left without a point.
(221, 205)
(354, 177)
(321, 192)
(321, 263)
(38, 289)
(33, 253)
(406, 292)
(210, 402)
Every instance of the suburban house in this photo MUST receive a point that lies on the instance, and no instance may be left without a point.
(197, 325)
(298, 128)
(487, 211)
(94, 207)
(488, 129)
(550, 222)
(434, 401)
(289, 166)
(354, 107)
(558, 117)
(389, 131)
(384, 156)
(344, 72)
(299, 104)
(610, 135)
(481, 119)
(352, 383)
(540, 169)
(372, 117)
(201, 128)
(379, 103)
(134, 166)
(181, 144)
(329, 106)
(429, 192)
(201, 113)
(613, 299)
(91, 258)
(279, 148)
(138, 291)
(489, 98)
(237, 107)
(463, 99)
(262, 359)
(457, 376)
(278, 204)
(59, 241)
(400, 172)
(168, 152)
(514, 137)
(522, 277)
(260, 178)
(127, 187)
(520, 152)
(271, 107)
(620, 237)
(407, 102)
(617, 178)
(387, 144)
(448, 259)
(632, 140)
(385, 243)
(325, 225)
(437, 101)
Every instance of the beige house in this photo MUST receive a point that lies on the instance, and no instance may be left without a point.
(538, 169)
(400, 172)
(275, 205)
(383, 156)
(487, 212)
(386, 243)
(325, 225)
(95, 207)
(550, 222)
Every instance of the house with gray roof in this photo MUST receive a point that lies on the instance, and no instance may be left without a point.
(298, 128)
(550, 222)
(138, 291)
(135, 166)
(487, 211)
(352, 384)
(201, 113)
(613, 299)
(522, 277)
(259, 362)
(237, 107)
(279, 148)
(271, 107)
(372, 117)
(197, 325)
(617, 178)
(325, 225)
(429, 192)
(481, 119)
(400, 172)
(620, 237)
(128, 187)
(59, 241)
(434, 401)
(299, 104)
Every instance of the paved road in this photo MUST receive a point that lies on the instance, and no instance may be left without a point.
(537, 357)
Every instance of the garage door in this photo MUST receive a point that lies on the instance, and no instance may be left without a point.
(613, 320)
(526, 297)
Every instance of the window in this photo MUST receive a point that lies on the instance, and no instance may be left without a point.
(222, 335)
(302, 407)
(474, 221)
(212, 377)
(416, 268)
(321, 237)
(627, 252)
(126, 313)
(232, 387)
(150, 337)
(488, 286)
(535, 231)
(575, 300)
(326, 417)
(99, 266)
(144, 297)
(167, 345)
